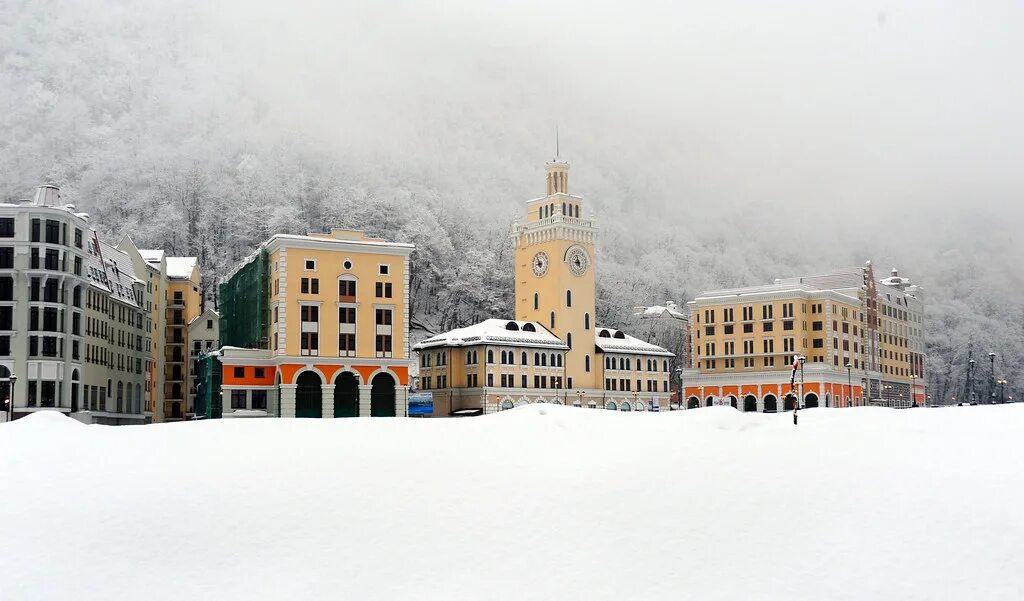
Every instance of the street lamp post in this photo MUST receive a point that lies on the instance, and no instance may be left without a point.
(971, 397)
(803, 359)
(849, 384)
(913, 395)
(1002, 388)
(579, 396)
(991, 377)
(679, 404)
(702, 401)
(10, 402)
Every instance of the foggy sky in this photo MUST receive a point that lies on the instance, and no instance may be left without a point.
(859, 127)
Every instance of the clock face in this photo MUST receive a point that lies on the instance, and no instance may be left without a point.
(540, 264)
(578, 260)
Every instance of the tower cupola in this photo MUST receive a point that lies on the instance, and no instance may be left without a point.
(558, 176)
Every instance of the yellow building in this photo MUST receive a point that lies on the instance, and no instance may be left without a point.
(746, 340)
(553, 351)
(317, 326)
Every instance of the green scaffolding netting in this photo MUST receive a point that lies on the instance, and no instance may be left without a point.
(208, 380)
(243, 305)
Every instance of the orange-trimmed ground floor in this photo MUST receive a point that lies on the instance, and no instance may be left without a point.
(775, 391)
(255, 383)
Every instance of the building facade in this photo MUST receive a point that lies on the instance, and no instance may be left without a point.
(203, 338)
(553, 351)
(315, 326)
(70, 316)
(77, 316)
(861, 341)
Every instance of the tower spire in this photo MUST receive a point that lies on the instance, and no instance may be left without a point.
(557, 154)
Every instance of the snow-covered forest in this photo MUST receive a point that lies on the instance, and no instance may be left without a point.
(709, 157)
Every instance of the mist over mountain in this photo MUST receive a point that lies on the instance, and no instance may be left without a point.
(717, 144)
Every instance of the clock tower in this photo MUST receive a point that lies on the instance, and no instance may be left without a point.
(554, 263)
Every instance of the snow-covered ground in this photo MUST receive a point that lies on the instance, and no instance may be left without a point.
(542, 502)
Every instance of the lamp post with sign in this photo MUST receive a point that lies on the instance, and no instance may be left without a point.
(10, 400)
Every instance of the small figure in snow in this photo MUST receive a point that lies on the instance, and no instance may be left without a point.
(794, 414)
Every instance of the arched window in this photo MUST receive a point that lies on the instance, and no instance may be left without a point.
(504, 357)
(490, 356)
(586, 321)
(536, 302)
(523, 358)
(568, 298)
(577, 211)
(586, 363)
(560, 360)
(568, 339)
(552, 320)
(536, 358)
(664, 365)
(543, 360)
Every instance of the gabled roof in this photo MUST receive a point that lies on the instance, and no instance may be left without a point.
(661, 311)
(181, 267)
(609, 340)
(152, 255)
(207, 314)
(508, 332)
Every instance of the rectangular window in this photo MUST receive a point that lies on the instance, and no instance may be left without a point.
(383, 269)
(52, 231)
(238, 399)
(347, 289)
(309, 343)
(309, 313)
(383, 317)
(304, 286)
(383, 345)
(709, 330)
(310, 265)
(7, 257)
(7, 227)
(346, 314)
(727, 329)
(259, 399)
(78, 238)
(767, 326)
(748, 328)
(787, 325)
(347, 345)
(817, 326)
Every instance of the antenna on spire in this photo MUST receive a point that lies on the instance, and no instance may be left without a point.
(556, 142)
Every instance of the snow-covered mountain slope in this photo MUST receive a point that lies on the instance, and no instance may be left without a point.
(542, 502)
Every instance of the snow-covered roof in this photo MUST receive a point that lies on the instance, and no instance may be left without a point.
(656, 311)
(507, 332)
(181, 267)
(207, 314)
(151, 255)
(617, 341)
(120, 274)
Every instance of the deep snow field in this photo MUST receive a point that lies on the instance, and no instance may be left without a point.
(542, 502)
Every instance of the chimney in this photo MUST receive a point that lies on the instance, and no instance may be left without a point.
(47, 195)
